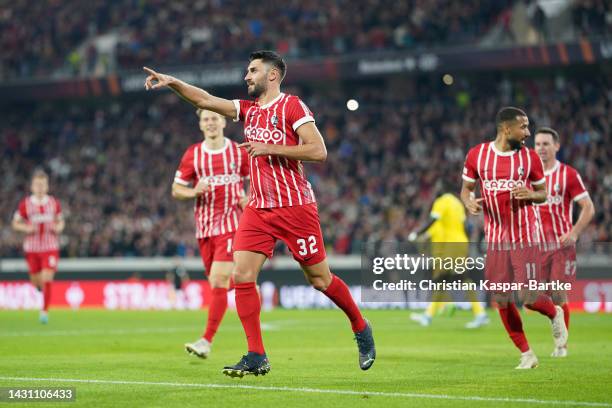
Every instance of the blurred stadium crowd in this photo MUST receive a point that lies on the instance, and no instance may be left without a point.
(112, 162)
(59, 38)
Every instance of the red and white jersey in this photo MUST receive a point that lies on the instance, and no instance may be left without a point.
(216, 212)
(507, 220)
(564, 186)
(276, 181)
(42, 214)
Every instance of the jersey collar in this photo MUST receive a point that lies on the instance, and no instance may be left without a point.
(272, 102)
(221, 150)
(499, 152)
(42, 201)
(551, 171)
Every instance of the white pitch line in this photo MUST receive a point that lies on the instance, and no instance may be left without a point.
(144, 330)
(323, 391)
(85, 332)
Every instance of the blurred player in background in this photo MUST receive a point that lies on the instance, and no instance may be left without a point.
(564, 188)
(280, 133)
(511, 179)
(215, 168)
(177, 277)
(39, 217)
(446, 225)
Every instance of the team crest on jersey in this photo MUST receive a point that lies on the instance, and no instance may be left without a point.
(521, 171)
(274, 120)
(233, 166)
(557, 188)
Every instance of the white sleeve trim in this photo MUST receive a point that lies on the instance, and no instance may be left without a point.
(466, 178)
(182, 182)
(17, 216)
(237, 106)
(300, 122)
(541, 181)
(435, 215)
(581, 196)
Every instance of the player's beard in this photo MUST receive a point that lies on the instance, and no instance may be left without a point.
(515, 144)
(257, 90)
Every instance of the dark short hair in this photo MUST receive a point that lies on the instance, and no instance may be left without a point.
(272, 58)
(200, 111)
(508, 114)
(549, 131)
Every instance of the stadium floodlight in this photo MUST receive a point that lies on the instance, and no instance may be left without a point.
(352, 105)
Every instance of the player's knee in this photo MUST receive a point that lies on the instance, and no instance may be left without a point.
(558, 297)
(242, 274)
(318, 283)
(501, 299)
(528, 297)
(220, 281)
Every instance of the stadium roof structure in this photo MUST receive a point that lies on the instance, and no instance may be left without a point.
(331, 68)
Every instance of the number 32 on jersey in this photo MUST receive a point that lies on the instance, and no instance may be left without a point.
(308, 246)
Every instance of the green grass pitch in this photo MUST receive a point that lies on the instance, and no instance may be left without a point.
(138, 360)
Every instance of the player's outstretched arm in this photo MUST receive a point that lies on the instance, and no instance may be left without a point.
(587, 211)
(192, 94)
(312, 147)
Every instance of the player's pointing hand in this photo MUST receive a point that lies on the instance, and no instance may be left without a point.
(156, 80)
(255, 149)
(521, 193)
(473, 206)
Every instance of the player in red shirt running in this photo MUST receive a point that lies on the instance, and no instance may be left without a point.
(280, 133)
(564, 188)
(511, 179)
(216, 168)
(39, 217)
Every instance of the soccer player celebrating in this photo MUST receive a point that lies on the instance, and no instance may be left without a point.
(511, 179)
(39, 217)
(280, 133)
(216, 168)
(564, 187)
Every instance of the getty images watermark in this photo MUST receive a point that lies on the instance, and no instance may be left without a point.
(412, 264)
(393, 272)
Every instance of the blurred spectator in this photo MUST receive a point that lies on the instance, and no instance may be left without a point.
(539, 20)
(51, 37)
(112, 163)
(55, 38)
(592, 17)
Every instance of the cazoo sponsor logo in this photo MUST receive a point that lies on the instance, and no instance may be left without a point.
(502, 184)
(257, 134)
(222, 179)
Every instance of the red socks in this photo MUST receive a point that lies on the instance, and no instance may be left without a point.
(544, 305)
(514, 326)
(46, 296)
(566, 314)
(248, 307)
(217, 308)
(339, 293)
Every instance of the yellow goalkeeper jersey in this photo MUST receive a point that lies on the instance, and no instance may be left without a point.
(449, 213)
